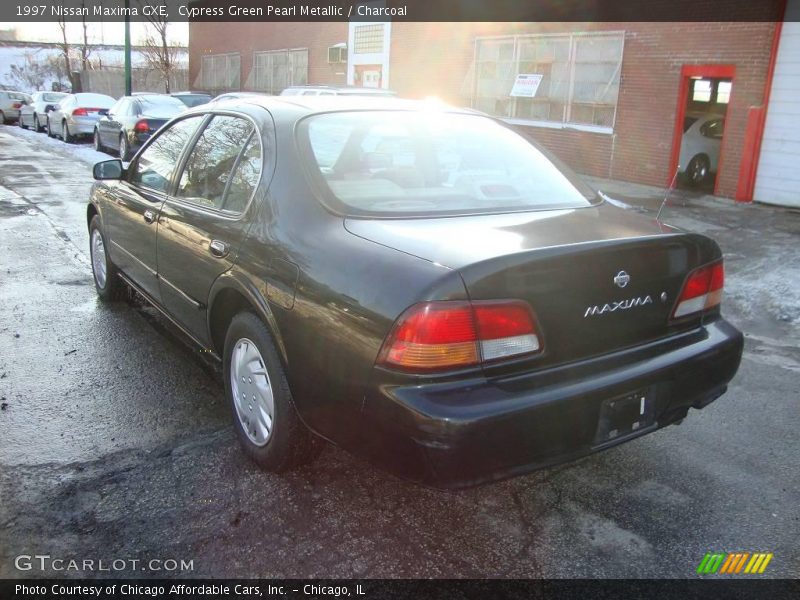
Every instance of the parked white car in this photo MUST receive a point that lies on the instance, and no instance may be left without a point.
(10, 104)
(34, 114)
(700, 146)
(77, 115)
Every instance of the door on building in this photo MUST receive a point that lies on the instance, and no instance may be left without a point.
(697, 153)
(368, 76)
(777, 177)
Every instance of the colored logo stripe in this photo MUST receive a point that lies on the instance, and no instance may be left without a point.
(734, 562)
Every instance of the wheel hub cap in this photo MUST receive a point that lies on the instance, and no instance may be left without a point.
(98, 258)
(252, 392)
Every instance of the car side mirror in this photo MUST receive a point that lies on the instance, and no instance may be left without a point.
(108, 169)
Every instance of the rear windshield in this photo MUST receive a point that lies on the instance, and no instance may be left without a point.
(160, 104)
(52, 97)
(192, 101)
(398, 163)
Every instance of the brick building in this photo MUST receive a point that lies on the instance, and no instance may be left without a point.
(613, 98)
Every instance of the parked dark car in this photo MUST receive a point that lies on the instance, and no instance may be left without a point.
(419, 284)
(132, 120)
(192, 99)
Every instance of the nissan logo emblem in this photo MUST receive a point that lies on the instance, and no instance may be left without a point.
(621, 279)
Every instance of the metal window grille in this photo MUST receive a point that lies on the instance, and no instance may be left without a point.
(278, 69)
(222, 72)
(580, 76)
(368, 39)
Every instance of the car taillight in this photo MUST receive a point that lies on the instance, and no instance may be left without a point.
(80, 112)
(16, 105)
(702, 290)
(453, 334)
(142, 126)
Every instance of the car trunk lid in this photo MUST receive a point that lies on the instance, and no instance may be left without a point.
(599, 279)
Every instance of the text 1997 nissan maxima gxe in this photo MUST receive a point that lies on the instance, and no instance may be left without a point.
(417, 283)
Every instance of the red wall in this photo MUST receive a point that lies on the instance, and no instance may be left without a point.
(246, 38)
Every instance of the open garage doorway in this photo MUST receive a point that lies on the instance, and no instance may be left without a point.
(705, 93)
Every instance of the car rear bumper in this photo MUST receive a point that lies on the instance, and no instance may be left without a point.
(12, 114)
(467, 432)
(82, 125)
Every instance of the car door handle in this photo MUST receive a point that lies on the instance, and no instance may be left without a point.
(149, 216)
(218, 248)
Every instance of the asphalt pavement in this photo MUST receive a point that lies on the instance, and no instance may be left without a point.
(115, 442)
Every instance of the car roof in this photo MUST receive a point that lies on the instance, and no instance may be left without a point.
(319, 104)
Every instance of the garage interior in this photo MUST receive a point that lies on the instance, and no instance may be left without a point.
(706, 105)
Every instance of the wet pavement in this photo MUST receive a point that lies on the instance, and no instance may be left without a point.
(115, 442)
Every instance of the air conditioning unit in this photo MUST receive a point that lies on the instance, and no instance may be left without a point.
(337, 54)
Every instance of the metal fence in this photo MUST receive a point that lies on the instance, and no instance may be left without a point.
(111, 81)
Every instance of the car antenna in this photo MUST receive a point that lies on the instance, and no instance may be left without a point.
(666, 193)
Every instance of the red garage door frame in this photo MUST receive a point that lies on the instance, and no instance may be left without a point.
(687, 72)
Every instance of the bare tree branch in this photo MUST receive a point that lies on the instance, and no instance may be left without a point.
(158, 55)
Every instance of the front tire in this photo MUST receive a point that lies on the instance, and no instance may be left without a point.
(37, 127)
(264, 415)
(50, 132)
(698, 170)
(21, 123)
(2, 118)
(108, 285)
(97, 145)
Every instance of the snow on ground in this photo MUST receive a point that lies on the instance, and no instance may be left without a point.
(82, 150)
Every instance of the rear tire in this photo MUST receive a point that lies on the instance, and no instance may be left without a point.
(104, 273)
(270, 433)
(50, 132)
(124, 148)
(65, 134)
(2, 118)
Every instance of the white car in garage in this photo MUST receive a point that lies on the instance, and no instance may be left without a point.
(700, 147)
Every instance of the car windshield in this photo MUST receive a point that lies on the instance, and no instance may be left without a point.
(397, 163)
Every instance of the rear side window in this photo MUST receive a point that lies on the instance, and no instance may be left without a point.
(398, 163)
(210, 167)
(245, 177)
(156, 164)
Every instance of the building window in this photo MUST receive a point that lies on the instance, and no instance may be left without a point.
(579, 77)
(278, 69)
(724, 92)
(368, 39)
(701, 90)
(222, 72)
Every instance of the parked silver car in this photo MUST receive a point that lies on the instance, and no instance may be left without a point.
(34, 114)
(10, 103)
(76, 115)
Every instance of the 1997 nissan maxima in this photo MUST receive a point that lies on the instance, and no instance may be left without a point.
(417, 283)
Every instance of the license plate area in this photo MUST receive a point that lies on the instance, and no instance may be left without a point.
(624, 416)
